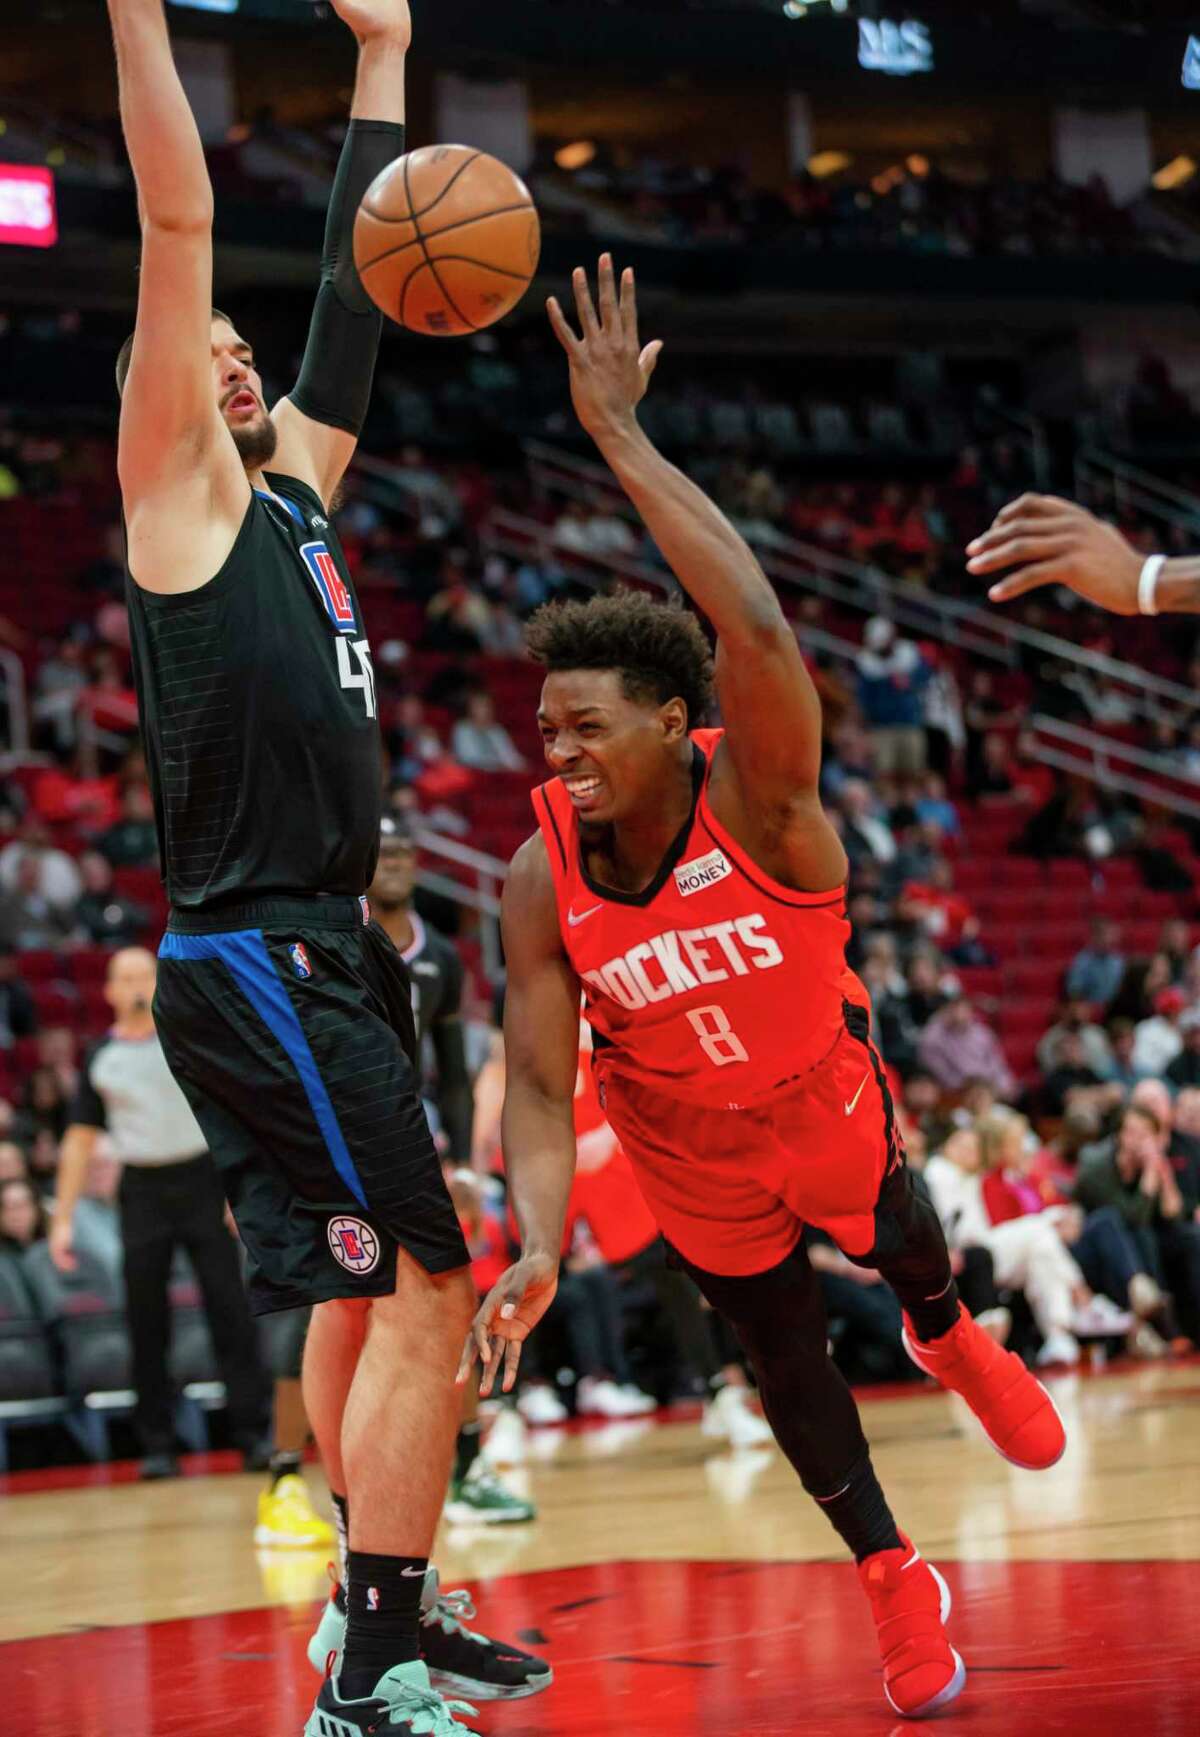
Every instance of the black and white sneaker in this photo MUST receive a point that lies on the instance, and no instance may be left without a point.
(404, 1705)
(460, 1660)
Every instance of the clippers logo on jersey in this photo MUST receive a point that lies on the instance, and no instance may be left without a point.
(702, 871)
(331, 587)
(298, 954)
(681, 960)
(354, 1245)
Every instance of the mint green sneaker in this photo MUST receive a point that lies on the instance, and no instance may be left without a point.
(403, 1702)
(482, 1499)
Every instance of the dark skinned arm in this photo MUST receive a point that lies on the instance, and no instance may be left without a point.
(541, 1045)
(771, 709)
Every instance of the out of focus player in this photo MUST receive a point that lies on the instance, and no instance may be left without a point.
(689, 881)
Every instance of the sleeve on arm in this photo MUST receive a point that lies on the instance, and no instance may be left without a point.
(87, 1106)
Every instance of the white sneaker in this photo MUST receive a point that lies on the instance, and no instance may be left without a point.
(1145, 1296)
(728, 1416)
(1060, 1347)
(505, 1443)
(645, 1402)
(996, 1323)
(597, 1398)
(1101, 1319)
(541, 1405)
(1145, 1343)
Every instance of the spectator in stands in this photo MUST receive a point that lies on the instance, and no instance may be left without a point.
(18, 1016)
(1027, 1253)
(866, 835)
(58, 877)
(45, 1106)
(1075, 1020)
(994, 781)
(1175, 943)
(935, 808)
(929, 986)
(22, 1217)
(481, 742)
(571, 529)
(1096, 971)
(1144, 979)
(456, 616)
(1132, 1172)
(14, 1166)
(892, 676)
(106, 918)
(1184, 1070)
(133, 841)
(607, 532)
(60, 681)
(866, 1309)
(1070, 1075)
(1121, 1071)
(1158, 1040)
(943, 916)
(957, 1046)
(414, 743)
(29, 921)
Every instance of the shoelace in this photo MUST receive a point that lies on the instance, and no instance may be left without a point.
(428, 1715)
(452, 1610)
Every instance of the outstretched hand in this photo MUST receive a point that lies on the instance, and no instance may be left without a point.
(376, 18)
(507, 1316)
(1048, 541)
(610, 369)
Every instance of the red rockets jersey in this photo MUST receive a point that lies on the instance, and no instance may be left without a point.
(716, 984)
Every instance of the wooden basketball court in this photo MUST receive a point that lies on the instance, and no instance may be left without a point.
(675, 1587)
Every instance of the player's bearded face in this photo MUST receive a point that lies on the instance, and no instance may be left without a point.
(255, 437)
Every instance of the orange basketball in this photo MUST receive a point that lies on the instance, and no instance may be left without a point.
(446, 240)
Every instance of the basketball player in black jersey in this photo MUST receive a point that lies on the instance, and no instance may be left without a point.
(284, 1014)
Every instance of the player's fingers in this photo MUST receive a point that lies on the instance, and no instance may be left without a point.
(1028, 579)
(466, 1362)
(608, 293)
(512, 1361)
(491, 1367)
(1026, 526)
(584, 303)
(1031, 506)
(1019, 550)
(648, 360)
(562, 330)
(629, 312)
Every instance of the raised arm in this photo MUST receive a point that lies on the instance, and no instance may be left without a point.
(770, 707)
(320, 420)
(541, 1046)
(169, 419)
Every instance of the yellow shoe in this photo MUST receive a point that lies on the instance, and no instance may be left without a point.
(288, 1521)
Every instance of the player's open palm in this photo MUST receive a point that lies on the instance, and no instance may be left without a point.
(506, 1317)
(1042, 540)
(368, 18)
(610, 367)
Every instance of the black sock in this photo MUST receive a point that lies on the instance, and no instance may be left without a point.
(933, 1317)
(859, 1512)
(341, 1521)
(285, 1466)
(383, 1619)
(466, 1449)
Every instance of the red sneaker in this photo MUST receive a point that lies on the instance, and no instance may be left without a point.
(1018, 1415)
(910, 1602)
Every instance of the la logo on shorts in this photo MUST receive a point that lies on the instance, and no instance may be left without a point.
(354, 1245)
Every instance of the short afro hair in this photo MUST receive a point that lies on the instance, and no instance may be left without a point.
(658, 649)
(125, 354)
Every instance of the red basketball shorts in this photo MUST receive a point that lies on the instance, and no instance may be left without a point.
(733, 1189)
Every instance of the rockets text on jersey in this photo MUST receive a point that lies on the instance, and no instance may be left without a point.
(715, 984)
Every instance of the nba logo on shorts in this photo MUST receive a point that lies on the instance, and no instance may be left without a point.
(298, 954)
(372, 1598)
(354, 1245)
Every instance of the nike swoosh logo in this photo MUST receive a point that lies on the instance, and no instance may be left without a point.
(583, 916)
(853, 1104)
(412, 1573)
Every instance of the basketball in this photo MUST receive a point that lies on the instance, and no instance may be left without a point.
(446, 240)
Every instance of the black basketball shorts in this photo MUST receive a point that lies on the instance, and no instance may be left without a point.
(288, 1024)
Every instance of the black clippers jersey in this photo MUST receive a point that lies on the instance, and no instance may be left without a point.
(258, 710)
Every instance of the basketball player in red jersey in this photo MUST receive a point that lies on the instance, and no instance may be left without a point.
(689, 881)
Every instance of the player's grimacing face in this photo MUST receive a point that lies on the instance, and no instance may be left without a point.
(612, 753)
